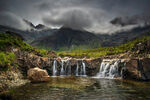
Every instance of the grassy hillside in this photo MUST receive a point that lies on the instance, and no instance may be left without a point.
(10, 40)
(105, 51)
(7, 57)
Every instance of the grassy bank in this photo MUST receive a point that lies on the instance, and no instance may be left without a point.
(105, 51)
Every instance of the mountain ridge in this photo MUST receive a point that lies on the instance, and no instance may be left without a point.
(67, 37)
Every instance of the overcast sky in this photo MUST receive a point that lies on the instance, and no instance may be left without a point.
(92, 15)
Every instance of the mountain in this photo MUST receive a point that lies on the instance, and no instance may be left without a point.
(124, 36)
(28, 35)
(62, 38)
(68, 38)
(31, 25)
(41, 27)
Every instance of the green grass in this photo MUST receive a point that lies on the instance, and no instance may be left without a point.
(6, 59)
(105, 51)
(9, 40)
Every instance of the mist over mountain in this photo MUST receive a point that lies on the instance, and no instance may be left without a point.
(68, 38)
(124, 36)
(138, 20)
(30, 34)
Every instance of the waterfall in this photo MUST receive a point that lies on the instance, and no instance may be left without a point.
(55, 68)
(62, 72)
(84, 68)
(108, 69)
(67, 67)
(77, 69)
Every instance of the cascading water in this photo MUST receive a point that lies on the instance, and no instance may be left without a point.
(62, 72)
(108, 69)
(65, 67)
(77, 69)
(55, 68)
(84, 68)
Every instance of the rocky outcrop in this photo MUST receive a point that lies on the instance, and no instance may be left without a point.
(133, 70)
(138, 69)
(10, 79)
(38, 75)
(142, 47)
(93, 66)
(27, 60)
(145, 68)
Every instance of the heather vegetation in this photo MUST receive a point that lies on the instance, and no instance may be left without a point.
(105, 51)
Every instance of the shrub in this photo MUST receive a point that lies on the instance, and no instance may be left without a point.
(6, 59)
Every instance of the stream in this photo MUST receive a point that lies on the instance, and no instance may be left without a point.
(86, 88)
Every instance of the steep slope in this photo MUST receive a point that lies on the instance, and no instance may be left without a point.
(68, 38)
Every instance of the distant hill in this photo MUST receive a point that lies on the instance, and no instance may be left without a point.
(124, 36)
(67, 38)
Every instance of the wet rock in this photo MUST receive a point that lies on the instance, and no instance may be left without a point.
(145, 71)
(92, 66)
(124, 73)
(38, 75)
(138, 69)
(133, 70)
(148, 44)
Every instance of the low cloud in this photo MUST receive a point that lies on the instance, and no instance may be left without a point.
(72, 18)
(131, 20)
(12, 20)
(91, 15)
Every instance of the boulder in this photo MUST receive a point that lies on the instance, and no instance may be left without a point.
(133, 70)
(138, 69)
(38, 75)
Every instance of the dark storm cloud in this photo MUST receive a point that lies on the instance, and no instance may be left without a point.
(92, 15)
(75, 19)
(132, 20)
(12, 20)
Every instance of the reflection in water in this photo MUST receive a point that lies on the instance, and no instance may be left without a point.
(78, 89)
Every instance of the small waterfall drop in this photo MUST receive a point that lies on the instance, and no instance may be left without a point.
(77, 69)
(84, 68)
(108, 69)
(62, 72)
(55, 68)
(68, 67)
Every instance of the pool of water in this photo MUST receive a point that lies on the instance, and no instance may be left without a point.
(72, 88)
